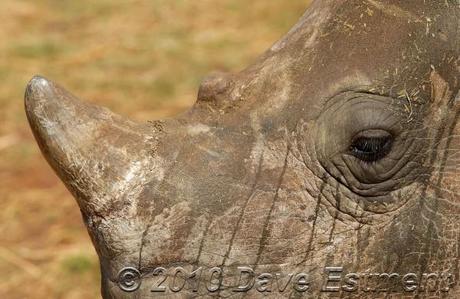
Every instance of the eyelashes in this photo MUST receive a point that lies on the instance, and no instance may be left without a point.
(371, 148)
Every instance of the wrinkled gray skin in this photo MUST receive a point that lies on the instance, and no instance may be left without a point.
(261, 171)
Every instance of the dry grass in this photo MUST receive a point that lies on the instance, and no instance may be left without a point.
(143, 59)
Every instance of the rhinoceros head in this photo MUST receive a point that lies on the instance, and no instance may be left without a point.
(329, 166)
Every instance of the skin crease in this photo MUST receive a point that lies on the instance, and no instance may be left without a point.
(259, 172)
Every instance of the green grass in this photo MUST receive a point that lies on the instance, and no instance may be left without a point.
(78, 264)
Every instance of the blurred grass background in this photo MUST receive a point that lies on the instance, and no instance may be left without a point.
(143, 59)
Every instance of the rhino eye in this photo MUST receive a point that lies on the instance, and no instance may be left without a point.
(371, 146)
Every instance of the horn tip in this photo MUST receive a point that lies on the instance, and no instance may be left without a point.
(37, 89)
(40, 103)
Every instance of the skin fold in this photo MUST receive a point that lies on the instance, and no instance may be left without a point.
(339, 147)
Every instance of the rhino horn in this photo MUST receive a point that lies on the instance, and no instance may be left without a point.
(98, 155)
